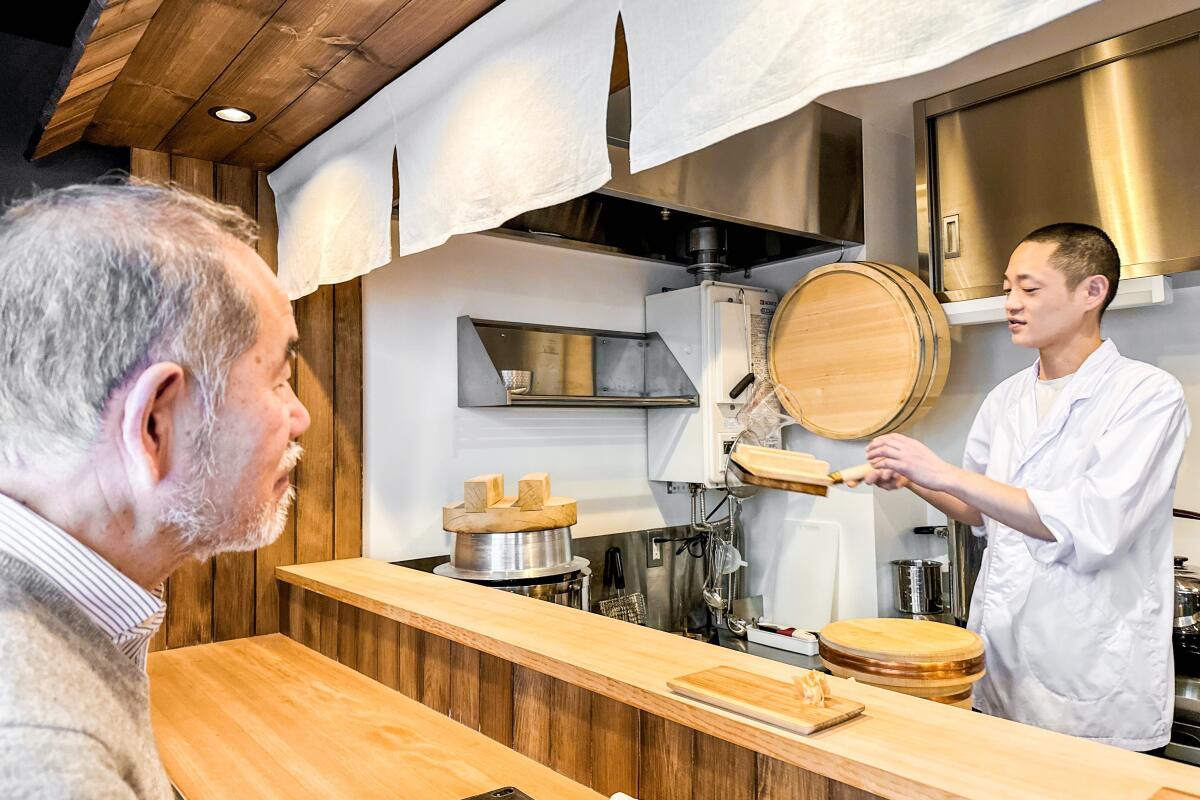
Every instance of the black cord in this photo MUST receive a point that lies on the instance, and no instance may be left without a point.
(717, 507)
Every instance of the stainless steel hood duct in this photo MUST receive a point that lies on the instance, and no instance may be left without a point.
(1105, 135)
(782, 190)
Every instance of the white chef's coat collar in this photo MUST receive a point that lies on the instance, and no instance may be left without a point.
(1094, 366)
(1024, 413)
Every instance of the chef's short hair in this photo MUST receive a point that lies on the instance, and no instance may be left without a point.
(97, 282)
(1083, 251)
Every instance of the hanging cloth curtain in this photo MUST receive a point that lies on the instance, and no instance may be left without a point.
(703, 70)
(506, 117)
(334, 202)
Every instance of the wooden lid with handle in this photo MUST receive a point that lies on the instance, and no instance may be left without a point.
(485, 509)
(860, 349)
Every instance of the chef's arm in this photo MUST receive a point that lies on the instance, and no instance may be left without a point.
(949, 505)
(1006, 504)
(960, 493)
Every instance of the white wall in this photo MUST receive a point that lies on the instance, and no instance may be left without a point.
(419, 446)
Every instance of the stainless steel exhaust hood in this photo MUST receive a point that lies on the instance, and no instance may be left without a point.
(789, 188)
(1105, 135)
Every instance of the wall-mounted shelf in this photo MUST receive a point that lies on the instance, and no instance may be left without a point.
(572, 367)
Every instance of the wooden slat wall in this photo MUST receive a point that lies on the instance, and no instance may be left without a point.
(235, 594)
(595, 740)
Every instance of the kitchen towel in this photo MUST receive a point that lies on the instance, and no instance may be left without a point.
(704, 70)
(509, 116)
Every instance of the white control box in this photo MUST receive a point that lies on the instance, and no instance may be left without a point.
(718, 332)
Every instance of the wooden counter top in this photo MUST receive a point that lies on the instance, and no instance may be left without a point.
(267, 717)
(901, 747)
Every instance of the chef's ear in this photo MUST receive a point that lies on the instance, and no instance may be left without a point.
(1096, 289)
(148, 429)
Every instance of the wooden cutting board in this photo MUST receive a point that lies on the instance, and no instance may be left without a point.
(913, 641)
(763, 698)
(860, 349)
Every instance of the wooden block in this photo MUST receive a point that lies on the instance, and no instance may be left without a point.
(533, 491)
(482, 491)
(764, 699)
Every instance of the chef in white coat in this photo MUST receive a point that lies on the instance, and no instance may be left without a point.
(1069, 472)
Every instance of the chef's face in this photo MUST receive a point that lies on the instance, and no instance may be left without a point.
(1041, 308)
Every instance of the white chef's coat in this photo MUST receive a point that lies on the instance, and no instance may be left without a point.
(1077, 631)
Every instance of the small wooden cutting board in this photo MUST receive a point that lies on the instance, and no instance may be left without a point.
(763, 698)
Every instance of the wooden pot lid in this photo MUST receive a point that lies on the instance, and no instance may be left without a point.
(860, 349)
(913, 642)
(485, 509)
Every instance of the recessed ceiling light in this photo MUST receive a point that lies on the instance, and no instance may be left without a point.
(232, 114)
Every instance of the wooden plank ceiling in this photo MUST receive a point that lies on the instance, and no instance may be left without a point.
(143, 73)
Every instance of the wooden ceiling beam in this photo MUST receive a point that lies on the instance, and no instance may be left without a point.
(106, 36)
(294, 50)
(411, 34)
(187, 46)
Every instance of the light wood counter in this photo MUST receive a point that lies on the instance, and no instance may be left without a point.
(267, 717)
(901, 747)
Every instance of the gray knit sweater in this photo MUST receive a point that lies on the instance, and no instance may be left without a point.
(74, 711)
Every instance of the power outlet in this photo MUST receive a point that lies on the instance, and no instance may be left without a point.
(654, 549)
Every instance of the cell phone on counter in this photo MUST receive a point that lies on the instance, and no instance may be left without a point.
(503, 793)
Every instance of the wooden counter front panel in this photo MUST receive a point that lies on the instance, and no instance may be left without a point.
(590, 738)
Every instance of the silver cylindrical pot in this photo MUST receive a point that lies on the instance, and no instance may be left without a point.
(918, 585)
(566, 588)
(522, 554)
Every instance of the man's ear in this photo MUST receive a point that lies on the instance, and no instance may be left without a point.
(148, 430)
(1096, 288)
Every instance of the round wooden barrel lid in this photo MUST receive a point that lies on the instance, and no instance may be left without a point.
(913, 642)
(859, 348)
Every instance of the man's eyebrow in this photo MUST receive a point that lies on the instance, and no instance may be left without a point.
(292, 346)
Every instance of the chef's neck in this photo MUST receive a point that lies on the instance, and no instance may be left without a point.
(1064, 357)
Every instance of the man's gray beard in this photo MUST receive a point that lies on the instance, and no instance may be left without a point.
(203, 529)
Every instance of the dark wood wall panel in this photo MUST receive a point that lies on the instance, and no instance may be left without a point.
(592, 739)
(236, 594)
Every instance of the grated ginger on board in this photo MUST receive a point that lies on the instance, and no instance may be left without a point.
(812, 688)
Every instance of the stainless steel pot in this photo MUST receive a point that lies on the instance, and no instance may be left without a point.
(512, 556)
(566, 588)
(918, 585)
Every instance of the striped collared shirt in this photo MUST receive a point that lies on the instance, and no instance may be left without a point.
(125, 611)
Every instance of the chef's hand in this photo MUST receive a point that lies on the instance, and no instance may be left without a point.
(882, 478)
(909, 459)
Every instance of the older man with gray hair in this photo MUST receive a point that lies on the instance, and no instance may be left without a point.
(145, 418)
